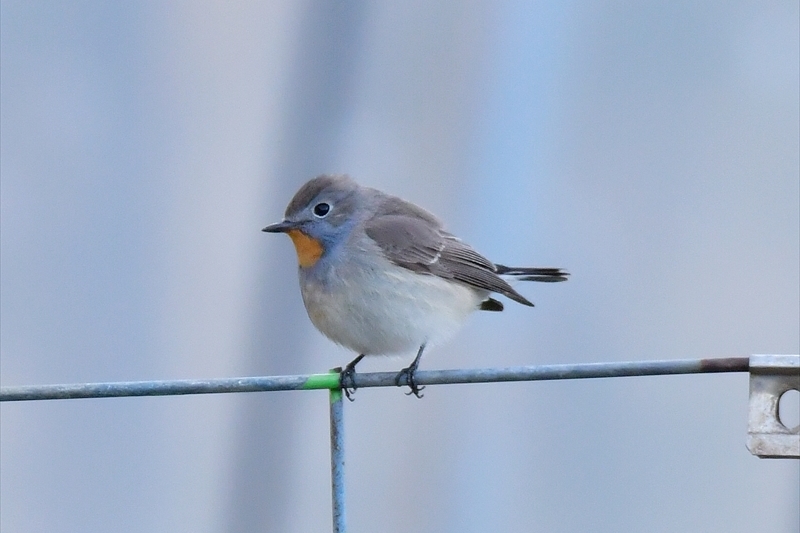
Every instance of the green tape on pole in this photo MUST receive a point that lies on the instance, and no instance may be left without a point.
(336, 395)
(322, 381)
(336, 392)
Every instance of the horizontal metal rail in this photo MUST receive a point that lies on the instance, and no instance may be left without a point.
(374, 379)
(765, 425)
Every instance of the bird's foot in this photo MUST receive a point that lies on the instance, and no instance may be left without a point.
(347, 378)
(409, 373)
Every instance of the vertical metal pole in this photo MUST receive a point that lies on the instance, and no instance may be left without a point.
(337, 458)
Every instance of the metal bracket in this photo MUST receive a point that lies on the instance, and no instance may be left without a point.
(770, 377)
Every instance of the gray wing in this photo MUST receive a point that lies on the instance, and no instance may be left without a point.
(414, 239)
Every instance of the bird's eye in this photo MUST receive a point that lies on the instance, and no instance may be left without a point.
(322, 209)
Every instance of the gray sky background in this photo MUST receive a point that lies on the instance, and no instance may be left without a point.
(653, 150)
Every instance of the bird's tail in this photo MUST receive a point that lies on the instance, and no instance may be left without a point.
(545, 274)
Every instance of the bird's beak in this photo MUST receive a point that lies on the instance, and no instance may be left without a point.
(280, 227)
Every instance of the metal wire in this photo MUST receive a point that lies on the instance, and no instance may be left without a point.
(376, 379)
(337, 460)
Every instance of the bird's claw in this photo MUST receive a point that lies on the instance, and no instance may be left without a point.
(347, 382)
(409, 373)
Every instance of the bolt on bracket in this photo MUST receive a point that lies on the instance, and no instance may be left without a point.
(770, 377)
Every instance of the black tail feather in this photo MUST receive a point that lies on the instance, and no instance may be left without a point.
(491, 305)
(545, 274)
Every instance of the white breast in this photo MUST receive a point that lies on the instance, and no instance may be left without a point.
(383, 309)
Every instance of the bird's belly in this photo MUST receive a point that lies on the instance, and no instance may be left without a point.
(388, 312)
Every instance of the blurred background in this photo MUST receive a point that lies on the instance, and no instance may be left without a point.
(651, 149)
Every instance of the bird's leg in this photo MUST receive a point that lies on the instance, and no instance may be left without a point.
(409, 373)
(346, 381)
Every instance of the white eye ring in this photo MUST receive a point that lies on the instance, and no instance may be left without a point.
(322, 209)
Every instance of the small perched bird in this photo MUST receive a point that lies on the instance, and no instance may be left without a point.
(381, 276)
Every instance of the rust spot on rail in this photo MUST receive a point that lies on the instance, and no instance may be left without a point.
(725, 364)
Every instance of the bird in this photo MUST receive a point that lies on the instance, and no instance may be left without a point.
(382, 276)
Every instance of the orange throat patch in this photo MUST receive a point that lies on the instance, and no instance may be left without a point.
(309, 250)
